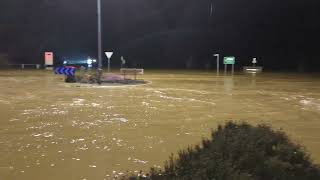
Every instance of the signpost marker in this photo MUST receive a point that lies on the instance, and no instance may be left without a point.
(109, 55)
(123, 62)
(254, 62)
(68, 71)
(229, 61)
(48, 59)
(232, 72)
(254, 68)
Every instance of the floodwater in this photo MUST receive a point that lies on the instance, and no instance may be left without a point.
(52, 130)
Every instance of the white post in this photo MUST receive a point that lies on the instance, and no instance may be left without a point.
(218, 64)
(108, 64)
(109, 55)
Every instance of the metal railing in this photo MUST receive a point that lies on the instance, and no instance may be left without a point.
(23, 66)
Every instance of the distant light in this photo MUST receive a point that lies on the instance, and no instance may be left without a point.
(64, 62)
(253, 69)
(89, 61)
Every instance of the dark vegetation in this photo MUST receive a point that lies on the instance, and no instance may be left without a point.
(240, 152)
(91, 77)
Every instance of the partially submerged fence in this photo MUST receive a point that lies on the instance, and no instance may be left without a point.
(22, 66)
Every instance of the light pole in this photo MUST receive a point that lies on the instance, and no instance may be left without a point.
(218, 68)
(99, 41)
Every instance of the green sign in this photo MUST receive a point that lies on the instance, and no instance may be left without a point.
(229, 60)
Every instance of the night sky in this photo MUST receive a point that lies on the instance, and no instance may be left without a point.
(282, 34)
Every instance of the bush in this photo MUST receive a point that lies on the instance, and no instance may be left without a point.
(240, 151)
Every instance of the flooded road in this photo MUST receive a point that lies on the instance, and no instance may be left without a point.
(52, 130)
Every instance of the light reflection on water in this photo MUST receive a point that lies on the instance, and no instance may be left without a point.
(52, 130)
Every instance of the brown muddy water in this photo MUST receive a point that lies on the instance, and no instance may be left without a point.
(52, 130)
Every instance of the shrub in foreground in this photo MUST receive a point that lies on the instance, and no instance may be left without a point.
(240, 151)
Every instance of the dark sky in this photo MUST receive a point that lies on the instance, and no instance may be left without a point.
(283, 34)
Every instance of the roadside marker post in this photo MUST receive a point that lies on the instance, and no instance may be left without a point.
(48, 60)
(231, 60)
(68, 71)
(109, 55)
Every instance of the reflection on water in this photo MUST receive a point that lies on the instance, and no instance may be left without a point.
(228, 84)
(253, 80)
(53, 130)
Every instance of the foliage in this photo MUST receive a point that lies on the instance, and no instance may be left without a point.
(240, 151)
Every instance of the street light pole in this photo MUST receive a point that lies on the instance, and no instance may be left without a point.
(218, 68)
(99, 41)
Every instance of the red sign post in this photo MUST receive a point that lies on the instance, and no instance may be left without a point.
(48, 58)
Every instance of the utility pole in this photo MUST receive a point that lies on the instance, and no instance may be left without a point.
(99, 41)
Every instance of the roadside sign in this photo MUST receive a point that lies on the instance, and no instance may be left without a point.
(48, 58)
(68, 71)
(109, 54)
(229, 60)
(254, 61)
(123, 61)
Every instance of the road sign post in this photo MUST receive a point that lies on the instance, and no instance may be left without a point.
(229, 61)
(123, 62)
(232, 72)
(48, 59)
(109, 55)
(108, 64)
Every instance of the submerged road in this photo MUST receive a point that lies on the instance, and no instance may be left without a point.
(52, 130)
